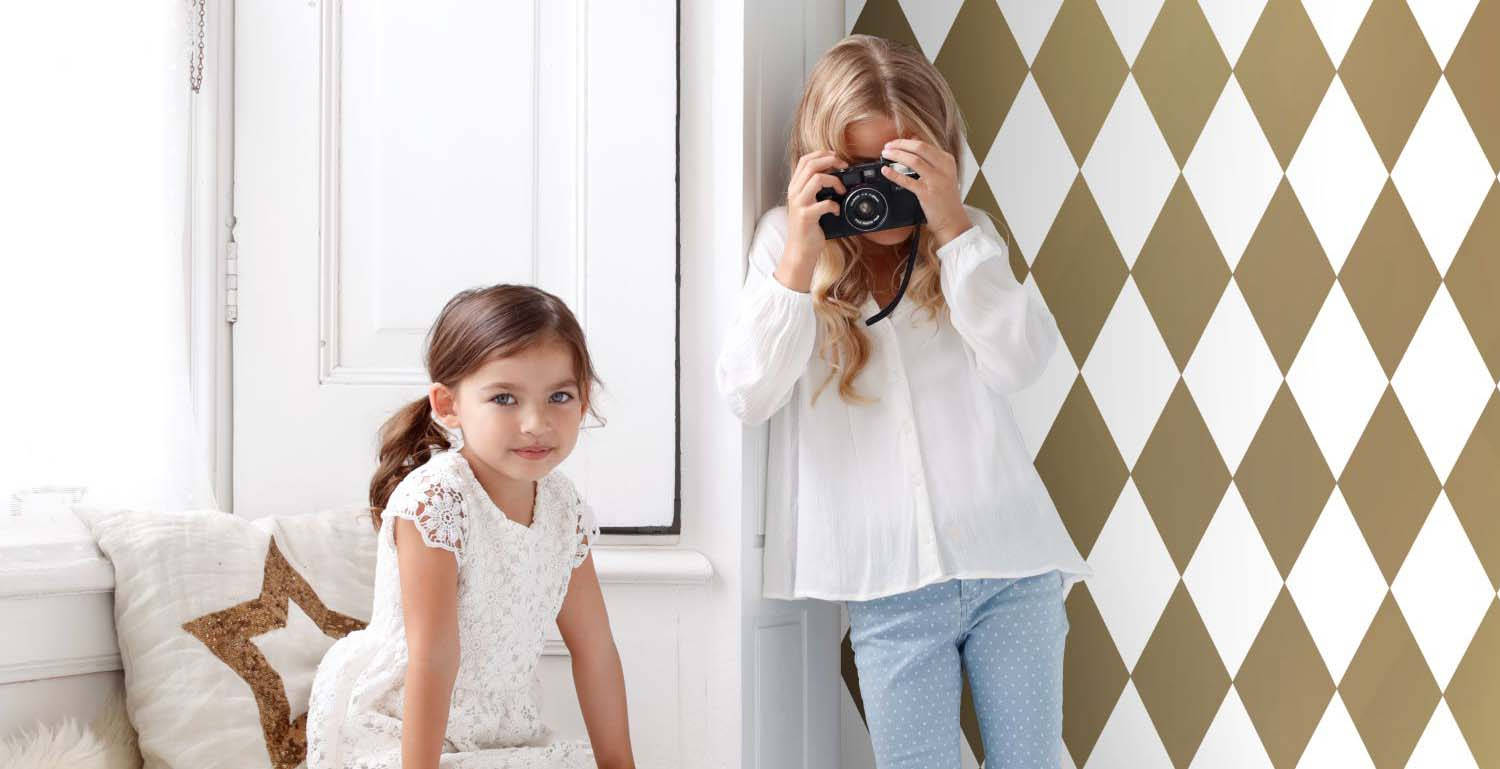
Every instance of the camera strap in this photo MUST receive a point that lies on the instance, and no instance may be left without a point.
(911, 263)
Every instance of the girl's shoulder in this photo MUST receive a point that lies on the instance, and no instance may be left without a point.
(440, 476)
(563, 492)
(769, 240)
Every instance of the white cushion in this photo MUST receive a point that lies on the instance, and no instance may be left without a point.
(222, 622)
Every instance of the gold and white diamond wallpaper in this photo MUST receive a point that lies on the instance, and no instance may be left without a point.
(1270, 233)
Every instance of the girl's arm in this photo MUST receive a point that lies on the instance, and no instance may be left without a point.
(597, 675)
(429, 604)
(1011, 332)
(770, 340)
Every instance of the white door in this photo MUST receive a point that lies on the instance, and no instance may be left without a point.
(390, 154)
(792, 686)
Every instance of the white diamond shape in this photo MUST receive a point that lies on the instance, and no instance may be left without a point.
(1442, 175)
(1336, 379)
(1232, 172)
(1029, 168)
(852, 9)
(1133, 574)
(1130, 170)
(295, 650)
(1129, 739)
(1337, 22)
(1336, 173)
(1336, 741)
(1130, 372)
(968, 168)
(1232, 376)
(1231, 741)
(1130, 21)
(1029, 21)
(1442, 383)
(1442, 745)
(1443, 24)
(1443, 590)
(1036, 407)
(1232, 580)
(1336, 585)
(930, 21)
(1232, 22)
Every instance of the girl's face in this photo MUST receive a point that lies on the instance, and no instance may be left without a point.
(864, 141)
(520, 414)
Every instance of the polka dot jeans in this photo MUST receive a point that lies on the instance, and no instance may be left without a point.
(1007, 634)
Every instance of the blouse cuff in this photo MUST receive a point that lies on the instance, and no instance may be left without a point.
(962, 254)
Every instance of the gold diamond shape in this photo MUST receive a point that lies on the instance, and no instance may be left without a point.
(1181, 476)
(1473, 695)
(1181, 273)
(1079, 270)
(1389, 690)
(1181, 71)
(1389, 73)
(1284, 480)
(1180, 677)
(1284, 684)
(1474, 488)
(1094, 675)
(1389, 484)
(1284, 275)
(1081, 467)
(1079, 70)
(1389, 278)
(1471, 72)
(1284, 71)
(883, 18)
(981, 197)
(984, 67)
(1474, 277)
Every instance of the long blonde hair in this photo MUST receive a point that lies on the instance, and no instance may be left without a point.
(860, 78)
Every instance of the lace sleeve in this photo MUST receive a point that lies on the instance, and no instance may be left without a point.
(585, 530)
(436, 505)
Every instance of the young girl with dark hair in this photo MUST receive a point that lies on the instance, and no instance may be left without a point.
(482, 545)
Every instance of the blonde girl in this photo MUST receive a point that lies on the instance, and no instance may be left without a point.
(898, 482)
(482, 545)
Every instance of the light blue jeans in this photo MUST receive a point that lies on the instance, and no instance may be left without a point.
(1007, 633)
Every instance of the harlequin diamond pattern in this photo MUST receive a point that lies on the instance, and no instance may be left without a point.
(1270, 234)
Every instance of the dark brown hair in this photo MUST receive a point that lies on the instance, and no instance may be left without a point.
(475, 326)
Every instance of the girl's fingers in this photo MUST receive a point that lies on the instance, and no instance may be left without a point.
(826, 207)
(904, 181)
(817, 182)
(936, 156)
(912, 160)
(811, 163)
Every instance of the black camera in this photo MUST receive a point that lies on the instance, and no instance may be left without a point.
(871, 202)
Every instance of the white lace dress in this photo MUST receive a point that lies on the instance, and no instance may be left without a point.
(511, 583)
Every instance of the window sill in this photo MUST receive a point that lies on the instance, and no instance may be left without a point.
(64, 591)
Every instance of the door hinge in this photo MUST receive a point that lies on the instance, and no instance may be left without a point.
(231, 279)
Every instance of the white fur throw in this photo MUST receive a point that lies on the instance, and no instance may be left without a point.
(108, 743)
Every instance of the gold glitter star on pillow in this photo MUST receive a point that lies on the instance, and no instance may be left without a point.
(228, 633)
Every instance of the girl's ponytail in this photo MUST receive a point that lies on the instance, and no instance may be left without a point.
(408, 439)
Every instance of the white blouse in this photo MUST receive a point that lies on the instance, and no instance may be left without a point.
(929, 482)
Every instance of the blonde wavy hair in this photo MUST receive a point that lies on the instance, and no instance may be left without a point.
(860, 78)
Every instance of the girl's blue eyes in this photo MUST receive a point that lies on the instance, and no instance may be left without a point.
(506, 399)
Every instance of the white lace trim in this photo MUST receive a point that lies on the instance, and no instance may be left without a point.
(586, 530)
(436, 507)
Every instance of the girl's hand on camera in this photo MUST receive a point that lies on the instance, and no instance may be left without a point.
(936, 190)
(804, 238)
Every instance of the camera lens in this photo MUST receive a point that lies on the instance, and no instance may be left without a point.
(865, 209)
